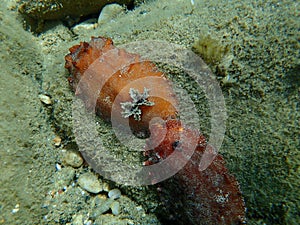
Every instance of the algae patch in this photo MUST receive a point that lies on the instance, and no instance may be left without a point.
(211, 50)
(214, 53)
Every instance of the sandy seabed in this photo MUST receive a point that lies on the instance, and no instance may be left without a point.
(261, 144)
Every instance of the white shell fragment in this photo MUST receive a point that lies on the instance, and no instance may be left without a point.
(45, 99)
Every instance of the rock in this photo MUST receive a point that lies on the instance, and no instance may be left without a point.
(109, 12)
(90, 183)
(72, 158)
(57, 141)
(115, 208)
(114, 194)
(102, 208)
(53, 9)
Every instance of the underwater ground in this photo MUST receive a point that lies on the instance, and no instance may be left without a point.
(251, 46)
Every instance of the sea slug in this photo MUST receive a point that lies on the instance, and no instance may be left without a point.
(139, 92)
(211, 196)
(101, 64)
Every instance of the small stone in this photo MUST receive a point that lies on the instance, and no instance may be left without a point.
(101, 208)
(45, 99)
(58, 167)
(114, 194)
(16, 209)
(57, 141)
(90, 183)
(72, 158)
(115, 208)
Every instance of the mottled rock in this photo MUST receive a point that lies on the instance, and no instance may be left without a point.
(72, 158)
(90, 183)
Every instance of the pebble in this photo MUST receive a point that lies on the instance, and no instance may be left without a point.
(90, 183)
(45, 99)
(114, 194)
(99, 200)
(102, 208)
(72, 158)
(57, 141)
(16, 209)
(58, 167)
(115, 208)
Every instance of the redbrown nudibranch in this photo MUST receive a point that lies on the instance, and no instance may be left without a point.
(115, 81)
(124, 82)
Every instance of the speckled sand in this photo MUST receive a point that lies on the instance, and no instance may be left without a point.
(261, 144)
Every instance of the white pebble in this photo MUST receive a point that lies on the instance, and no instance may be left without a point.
(77, 219)
(114, 194)
(58, 167)
(45, 99)
(16, 209)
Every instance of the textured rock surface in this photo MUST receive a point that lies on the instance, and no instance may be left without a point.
(62, 9)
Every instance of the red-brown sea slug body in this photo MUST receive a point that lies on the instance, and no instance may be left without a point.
(117, 82)
(211, 196)
(119, 76)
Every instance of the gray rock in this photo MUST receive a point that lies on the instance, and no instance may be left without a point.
(109, 12)
(102, 208)
(115, 208)
(90, 183)
(114, 194)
